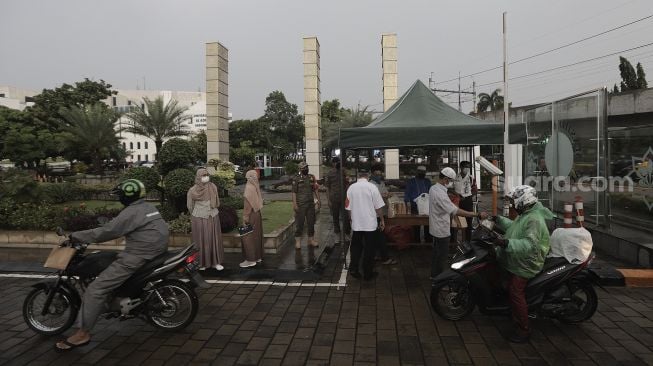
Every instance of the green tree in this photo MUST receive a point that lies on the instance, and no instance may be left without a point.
(331, 111)
(49, 102)
(493, 101)
(175, 154)
(157, 121)
(91, 131)
(615, 89)
(255, 132)
(641, 77)
(244, 155)
(351, 118)
(285, 123)
(198, 141)
(628, 75)
(149, 176)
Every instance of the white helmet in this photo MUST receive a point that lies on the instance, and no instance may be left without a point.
(523, 197)
(449, 173)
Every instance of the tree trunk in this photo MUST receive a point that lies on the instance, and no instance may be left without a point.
(157, 144)
(97, 163)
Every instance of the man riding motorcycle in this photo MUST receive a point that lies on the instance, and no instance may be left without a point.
(522, 251)
(146, 235)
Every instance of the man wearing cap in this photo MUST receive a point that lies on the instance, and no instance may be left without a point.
(305, 199)
(463, 187)
(440, 211)
(415, 187)
(335, 191)
(365, 204)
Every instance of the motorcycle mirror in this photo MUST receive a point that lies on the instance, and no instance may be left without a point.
(59, 231)
(102, 220)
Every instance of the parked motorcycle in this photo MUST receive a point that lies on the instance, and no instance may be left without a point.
(562, 291)
(151, 293)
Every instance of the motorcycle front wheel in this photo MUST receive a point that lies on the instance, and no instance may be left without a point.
(583, 295)
(59, 316)
(172, 305)
(452, 300)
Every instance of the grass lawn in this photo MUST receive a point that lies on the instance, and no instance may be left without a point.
(275, 215)
(92, 204)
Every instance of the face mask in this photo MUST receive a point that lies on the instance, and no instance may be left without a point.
(449, 185)
(466, 171)
(376, 178)
(205, 179)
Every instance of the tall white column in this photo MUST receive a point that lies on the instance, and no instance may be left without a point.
(390, 95)
(217, 102)
(312, 105)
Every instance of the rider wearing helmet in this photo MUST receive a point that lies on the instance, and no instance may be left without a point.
(522, 251)
(146, 237)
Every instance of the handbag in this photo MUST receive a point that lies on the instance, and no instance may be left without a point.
(59, 257)
(458, 222)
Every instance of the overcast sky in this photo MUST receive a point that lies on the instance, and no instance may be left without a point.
(47, 43)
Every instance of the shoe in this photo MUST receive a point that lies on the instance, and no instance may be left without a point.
(219, 267)
(389, 261)
(371, 276)
(519, 337)
(202, 268)
(355, 274)
(259, 260)
(246, 264)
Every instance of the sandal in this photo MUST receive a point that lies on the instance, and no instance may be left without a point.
(70, 345)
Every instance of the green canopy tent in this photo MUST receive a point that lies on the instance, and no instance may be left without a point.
(419, 118)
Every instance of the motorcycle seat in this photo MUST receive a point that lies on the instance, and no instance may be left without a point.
(551, 262)
(160, 260)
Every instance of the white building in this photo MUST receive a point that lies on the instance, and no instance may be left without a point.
(16, 98)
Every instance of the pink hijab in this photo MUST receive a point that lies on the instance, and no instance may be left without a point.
(253, 191)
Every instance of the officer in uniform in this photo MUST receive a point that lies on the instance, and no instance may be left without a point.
(305, 199)
(336, 198)
(146, 237)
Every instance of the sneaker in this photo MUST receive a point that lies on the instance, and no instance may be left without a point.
(246, 264)
(389, 261)
(219, 267)
(259, 260)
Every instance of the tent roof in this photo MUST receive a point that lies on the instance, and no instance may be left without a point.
(420, 118)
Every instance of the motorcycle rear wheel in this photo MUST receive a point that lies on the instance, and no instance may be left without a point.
(584, 295)
(452, 300)
(60, 315)
(179, 306)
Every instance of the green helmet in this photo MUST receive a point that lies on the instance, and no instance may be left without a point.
(129, 191)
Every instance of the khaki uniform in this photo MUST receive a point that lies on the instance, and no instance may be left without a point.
(337, 199)
(304, 186)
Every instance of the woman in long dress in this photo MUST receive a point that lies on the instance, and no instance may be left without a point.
(253, 203)
(203, 202)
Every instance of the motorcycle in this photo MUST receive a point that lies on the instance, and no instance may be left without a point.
(562, 290)
(168, 303)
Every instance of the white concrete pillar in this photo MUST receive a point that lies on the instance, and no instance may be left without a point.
(217, 102)
(390, 95)
(312, 106)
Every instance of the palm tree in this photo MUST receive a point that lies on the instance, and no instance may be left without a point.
(91, 131)
(157, 121)
(493, 101)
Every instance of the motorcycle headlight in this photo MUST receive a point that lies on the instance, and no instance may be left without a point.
(462, 263)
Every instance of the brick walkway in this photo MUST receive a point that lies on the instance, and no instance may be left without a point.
(385, 322)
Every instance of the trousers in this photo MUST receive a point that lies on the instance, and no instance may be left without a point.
(338, 213)
(363, 244)
(306, 212)
(98, 292)
(440, 256)
(518, 304)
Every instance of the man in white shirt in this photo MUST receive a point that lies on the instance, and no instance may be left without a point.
(463, 188)
(365, 206)
(440, 211)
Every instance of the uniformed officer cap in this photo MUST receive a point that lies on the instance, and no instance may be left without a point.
(303, 165)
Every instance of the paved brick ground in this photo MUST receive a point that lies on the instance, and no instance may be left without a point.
(385, 322)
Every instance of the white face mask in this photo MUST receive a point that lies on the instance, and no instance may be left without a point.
(449, 185)
(465, 171)
(205, 179)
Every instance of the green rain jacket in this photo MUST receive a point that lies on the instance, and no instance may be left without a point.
(528, 243)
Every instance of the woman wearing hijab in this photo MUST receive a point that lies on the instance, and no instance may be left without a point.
(253, 242)
(203, 202)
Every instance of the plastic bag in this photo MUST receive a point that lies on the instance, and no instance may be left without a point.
(422, 204)
(574, 244)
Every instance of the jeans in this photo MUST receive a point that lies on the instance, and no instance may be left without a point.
(440, 257)
(363, 243)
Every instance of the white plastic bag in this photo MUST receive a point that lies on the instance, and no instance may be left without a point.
(574, 244)
(422, 204)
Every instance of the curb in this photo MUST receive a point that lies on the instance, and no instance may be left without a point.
(637, 277)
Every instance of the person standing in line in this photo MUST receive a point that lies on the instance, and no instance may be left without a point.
(253, 203)
(440, 211)
(202, 201)
(463, 187)
(414, 188)
(336, 197)
(377, 179)
(365, 205)
(305, 201)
